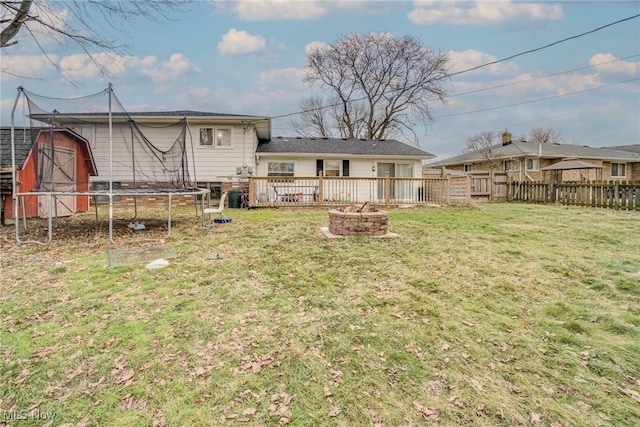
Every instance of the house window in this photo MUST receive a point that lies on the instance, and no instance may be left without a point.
(280, 169)
(215, 137)
(533, 164)
(332, 167)
(618, 170)
(511, 165)
(468, 167)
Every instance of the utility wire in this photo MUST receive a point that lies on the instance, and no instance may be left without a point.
(535, 100)
(478, 66)
(543, 47)
(542, 77)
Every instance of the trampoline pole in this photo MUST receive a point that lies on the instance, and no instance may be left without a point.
(110, 168)
(169, 217)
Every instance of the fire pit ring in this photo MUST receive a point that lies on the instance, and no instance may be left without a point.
(368, 223)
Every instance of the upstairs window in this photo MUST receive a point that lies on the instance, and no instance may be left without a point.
(215, 137)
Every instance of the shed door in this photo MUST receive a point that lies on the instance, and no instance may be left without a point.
(57, 175)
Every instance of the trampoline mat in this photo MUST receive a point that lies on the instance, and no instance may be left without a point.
(131, 256)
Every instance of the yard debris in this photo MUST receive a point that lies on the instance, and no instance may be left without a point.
(157, 263)
(137, 225)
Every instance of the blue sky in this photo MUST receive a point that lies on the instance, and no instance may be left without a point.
(247, 57)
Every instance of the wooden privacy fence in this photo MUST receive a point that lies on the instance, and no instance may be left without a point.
(321, 191)
(605, 194)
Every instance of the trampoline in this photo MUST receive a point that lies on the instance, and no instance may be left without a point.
(158, 168)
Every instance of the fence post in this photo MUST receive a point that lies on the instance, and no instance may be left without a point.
(320, 196)
(387, 187)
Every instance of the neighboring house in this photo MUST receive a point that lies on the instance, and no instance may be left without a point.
(65, 166)
(307, 157)
(532, 161)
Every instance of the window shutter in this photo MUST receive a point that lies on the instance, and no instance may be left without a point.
(319, 167)
(345, 168)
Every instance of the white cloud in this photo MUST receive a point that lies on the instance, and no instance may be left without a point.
(177, 66)
(286, 76)
(236, 42)
(82, 66)
(313, 46)
(611, 64)
(17, 66)
(467, 59)
(289, 10)
(481, 12)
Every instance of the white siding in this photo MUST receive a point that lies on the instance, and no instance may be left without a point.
(209, 163)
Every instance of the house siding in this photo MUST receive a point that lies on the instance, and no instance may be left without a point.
(205, 163)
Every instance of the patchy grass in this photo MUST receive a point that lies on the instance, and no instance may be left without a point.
(500, 314)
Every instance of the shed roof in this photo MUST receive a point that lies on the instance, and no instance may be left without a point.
(25, 138)
(364, 147)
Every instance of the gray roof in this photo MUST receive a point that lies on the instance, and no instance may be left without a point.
(24, 139)
(365, 147)
(518, 149)
(634, 148)
(262, 123)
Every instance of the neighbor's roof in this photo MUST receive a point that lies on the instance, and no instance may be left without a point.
(633, 148)
(518, 149)
(363, 147)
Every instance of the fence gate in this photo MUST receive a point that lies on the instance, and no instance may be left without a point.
(489, 185)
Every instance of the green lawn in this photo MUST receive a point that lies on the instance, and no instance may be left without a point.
(499, 314)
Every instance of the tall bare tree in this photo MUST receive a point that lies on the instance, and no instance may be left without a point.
(42, 19)
(545, 136)
(377, 84)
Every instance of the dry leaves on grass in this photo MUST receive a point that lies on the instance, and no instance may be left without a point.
(280, 406)
(429, 413)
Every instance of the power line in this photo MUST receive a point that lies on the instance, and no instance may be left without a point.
(543, 47)
(478, 66)
(542, 77)
(535, 100)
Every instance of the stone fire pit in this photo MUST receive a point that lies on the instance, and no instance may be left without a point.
(358, 220)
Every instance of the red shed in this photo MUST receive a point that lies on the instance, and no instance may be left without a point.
(61, 167)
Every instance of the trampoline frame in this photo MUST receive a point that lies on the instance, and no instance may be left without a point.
(52, 195)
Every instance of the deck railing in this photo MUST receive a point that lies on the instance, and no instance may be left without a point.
(316, 191)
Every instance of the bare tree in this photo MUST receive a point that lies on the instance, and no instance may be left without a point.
(378, 84)
(484, 143)
(545, 136)
(481, 141)
(40, 20)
